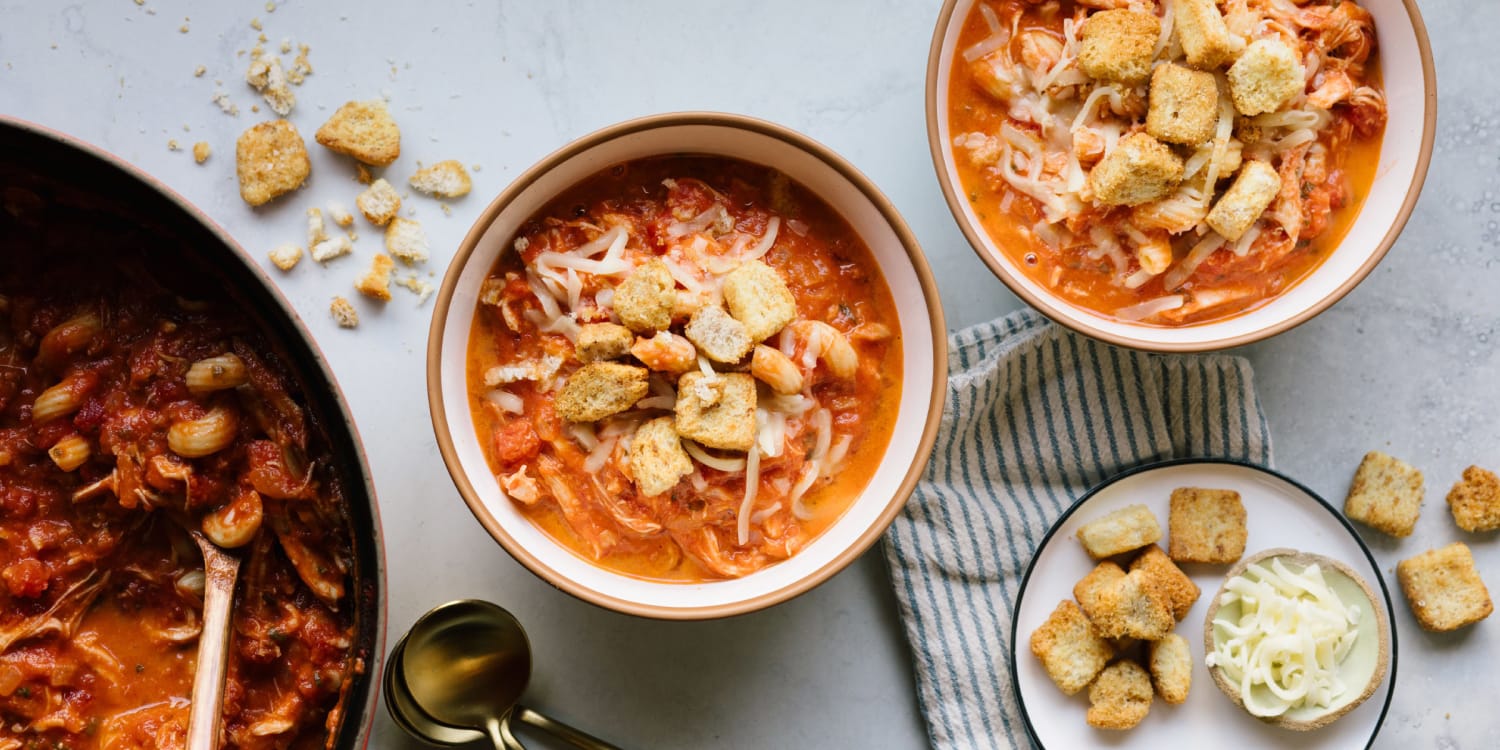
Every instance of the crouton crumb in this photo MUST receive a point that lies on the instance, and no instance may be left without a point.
(379, 203)
(286, 256)
(333, 247)
(362, 174)
(317, 231)
(255, 24)
(301, 68)
(445, 179)
(199, 71)
(406, 240)
(343, 313)
(172, 145)
(376, 283)
(416, 286)
(225, 105)
(266, 76)
(340, 214)
(201, 151)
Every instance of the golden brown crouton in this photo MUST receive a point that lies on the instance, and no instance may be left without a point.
(1475, 501)
(405, 239)
(1444, 589)
(1131, 606)
(657, 459)
(1087, 591)
(363, 130)
(379, 202)
(1164, 574)
(718, 336)
(1139, 170)
(1128, 528)
(757, 297)
(271, 161)
(376, 284)
(598, 342)
(1069, 648)
(644, 300)
(1265, 77)
(717, 411)
(599, 389)
(1205, 38)
(1245, 200)
(343, 313)
(1120, 698)
(445, 179)
(1172, 668)
(286, 256)
(201, 151)
(1184, 105)
(1206, 526)
(1116, 45)
(1386, 494)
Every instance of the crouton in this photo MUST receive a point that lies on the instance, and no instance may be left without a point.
(343, 313)
(379, 202)
(1184, 105)
(1475, 500)
(717, 411)
(376, 283)
(1444, 589)
(286, 256)
(1116, 45)
(758, 297)
(270, 160)
(1128, 528)
(644, 300)
(718, 336)
(1206, 526)
(406, 240)
(599, 389)
(1237, 209)
(317, 231)
(598, 342)
(340, 214)
(1131, 606)
(419, 287)
(445, 179)
(1386, 494)
(333, 247)
(1162, 573)
(1172, 668)
(1139, 170)
(1265, 77)
(363, 130)
(266, 76)
(1089, 588)
(1069, 648)
(657, 459)
(201, 151)
(1205, 38)
(1120, 698)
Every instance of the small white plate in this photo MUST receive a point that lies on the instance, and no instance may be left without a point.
(1280, 513)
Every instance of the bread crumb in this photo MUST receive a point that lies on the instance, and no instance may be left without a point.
(333, 247)
(317, 231)
(475, 168)
(201, 151)
(199, 71)
(406, 240)
(340, 214)
(225, 105)
(447, 210)
(417, 286)
(270, 6)
(286, 256)
(376, 283)
(183, 29)
(445, 179)
(379, 203)
(255, 24)
(172, 145)
(301, 68)
(343, 313)
(255, 108)
(362, 174)
(286, 46)
(266, 76)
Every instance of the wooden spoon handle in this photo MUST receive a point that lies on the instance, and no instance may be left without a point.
(220, 569)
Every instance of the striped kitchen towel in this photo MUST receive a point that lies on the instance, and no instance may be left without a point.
(1035, 416)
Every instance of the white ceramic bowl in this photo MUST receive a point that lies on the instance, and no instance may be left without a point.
(825, 174)
(1411, 96)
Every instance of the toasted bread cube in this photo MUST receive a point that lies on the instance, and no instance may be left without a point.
(657, 459)
(1132, 607)
(758, 297)
(1165, 576)
(286, 256)
(1069, 648)
(1128, 528)
(317, 230)
(201, 151)
(333, 247)
(270, 160)
(343, 313)
(1206, 526)
(376, 284)
(445, 179)
(1120, 698)
(1266, 76)
(718, 336)
(1475, 501)
(598, 342)
(1184, 105)
(717, 411)
(1116, 45)
(379, 202)
(1205, 37)
(1139, 170)
(363, 130)
(644, 300)
(405, 239)
(599, 389)
(1444, 589)
(340, 214)
(1252, 192)
(1172, 668)
(1089, 589)
(1386, 494)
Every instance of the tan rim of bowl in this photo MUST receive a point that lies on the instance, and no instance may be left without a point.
(443, 429)
(1052, 307)
(1382, 627)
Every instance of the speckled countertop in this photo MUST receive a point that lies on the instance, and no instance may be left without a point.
(1406, 363)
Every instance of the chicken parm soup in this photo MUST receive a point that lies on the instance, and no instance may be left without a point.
(687, 369)
(1169, 163)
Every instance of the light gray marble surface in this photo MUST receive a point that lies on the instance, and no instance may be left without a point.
(1406, 363)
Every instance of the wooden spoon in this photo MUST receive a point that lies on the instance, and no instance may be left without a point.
(220, 570)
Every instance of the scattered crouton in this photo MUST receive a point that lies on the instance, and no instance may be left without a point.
(445, 179)
(286, 256)
(1206, 526)
(1475, 500)
(1128, 528)
(363, 130)
(1205, 37)
(343, 313)
(758, 297)
(644, 300)
(1069, 648)
(599, 389)
(717, 411)
(1184, 105)
(379, 202)
(406, 240)
(416, 286)
(266, 76)
(1172, 668)
(1444, 589)
(1163, 574)
(1237, 209)
(1131, 606)
(271, 161)
(1088, 590)
(1139, 170)
(1120, 698)
(340, 214)
(1266, 76)
(718, 336)
(317, 231)
(333, 247)
(657, 459)
(1386, 494)
(1116, 45)
(598, 342)
(376, 284)
(201, 151)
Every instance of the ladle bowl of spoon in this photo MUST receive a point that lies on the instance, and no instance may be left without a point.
(409, 717)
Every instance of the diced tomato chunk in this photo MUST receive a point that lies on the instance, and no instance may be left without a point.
(26, 579)
(516, 442)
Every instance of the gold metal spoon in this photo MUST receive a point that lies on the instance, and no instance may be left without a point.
(220, 570)
(411, 718)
